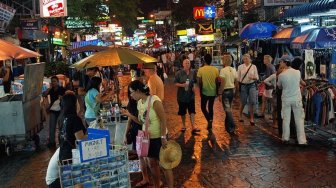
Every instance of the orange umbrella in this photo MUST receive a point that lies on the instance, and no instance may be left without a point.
(11, 51)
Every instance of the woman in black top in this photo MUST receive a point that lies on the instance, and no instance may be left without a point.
(71, 127)
(132, 126)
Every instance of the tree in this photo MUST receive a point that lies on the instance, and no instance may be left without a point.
(182, 12)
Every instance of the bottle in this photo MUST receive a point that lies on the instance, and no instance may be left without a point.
(187, 87)
(117, 112)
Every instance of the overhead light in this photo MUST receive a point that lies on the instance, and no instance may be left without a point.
(303, 20)
(329, 20)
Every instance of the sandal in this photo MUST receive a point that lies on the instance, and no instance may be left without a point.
(142, 184)
(183, 129)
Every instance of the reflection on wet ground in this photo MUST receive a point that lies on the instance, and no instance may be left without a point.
(254, 158)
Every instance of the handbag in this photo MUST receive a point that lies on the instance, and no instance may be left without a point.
(143, 139)
(56, 106)
(240, 83)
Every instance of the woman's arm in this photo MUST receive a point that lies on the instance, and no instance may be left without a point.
(80, 135)
(101, 98)
(268, 81)
(158, 107)
(130, 116)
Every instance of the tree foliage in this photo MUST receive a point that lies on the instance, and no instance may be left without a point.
(123, 12)
(182, 12)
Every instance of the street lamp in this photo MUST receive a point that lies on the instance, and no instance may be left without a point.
(176, 1)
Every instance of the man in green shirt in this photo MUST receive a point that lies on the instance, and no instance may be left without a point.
(207, 76)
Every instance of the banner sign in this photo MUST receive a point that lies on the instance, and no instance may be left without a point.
(202, 38)
(224, 23)
(31, 24)
(53, 8)
(93, 149)
(204, 12)
(77, 23)
(310, 66)
(204, 28)
(181, 32)
(284, 2)
(6, 15)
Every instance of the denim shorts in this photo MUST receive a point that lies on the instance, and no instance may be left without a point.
(248, 94)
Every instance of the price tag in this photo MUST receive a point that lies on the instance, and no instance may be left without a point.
(93, 149)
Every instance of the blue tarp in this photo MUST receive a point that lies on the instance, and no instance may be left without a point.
(258, 30)
(309, 8)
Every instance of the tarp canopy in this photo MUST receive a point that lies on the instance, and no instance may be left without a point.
(318, 6)
(320, 38)
(286, 35)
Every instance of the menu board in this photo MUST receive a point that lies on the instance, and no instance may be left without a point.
(53, 8)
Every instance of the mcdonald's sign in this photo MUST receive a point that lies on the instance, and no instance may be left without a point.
(199, 13)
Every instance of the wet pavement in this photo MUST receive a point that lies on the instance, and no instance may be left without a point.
(255, 158)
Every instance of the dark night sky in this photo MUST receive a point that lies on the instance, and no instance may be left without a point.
(149, 5)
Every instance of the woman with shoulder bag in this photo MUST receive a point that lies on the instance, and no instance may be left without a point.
(152, 115)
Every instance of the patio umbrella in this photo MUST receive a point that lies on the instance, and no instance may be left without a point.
(258, 30)
(89, 48)
(286, 35)
(11, 51)
(319, 38)
(113, 57)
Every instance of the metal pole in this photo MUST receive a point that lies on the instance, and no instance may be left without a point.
(240, 12)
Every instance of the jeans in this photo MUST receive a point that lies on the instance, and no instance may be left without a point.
(227, 99)
(297, 108)
(208, 113)
(53, 117)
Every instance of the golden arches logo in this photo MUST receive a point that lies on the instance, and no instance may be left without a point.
(199, 13)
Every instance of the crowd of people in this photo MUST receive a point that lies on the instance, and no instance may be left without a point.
(146, 103)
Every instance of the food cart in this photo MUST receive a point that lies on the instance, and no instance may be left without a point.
(21, 113)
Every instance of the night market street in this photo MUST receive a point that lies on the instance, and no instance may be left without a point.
(256, 158)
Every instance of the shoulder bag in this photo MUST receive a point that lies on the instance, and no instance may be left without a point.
(143, 139)
(240, 82)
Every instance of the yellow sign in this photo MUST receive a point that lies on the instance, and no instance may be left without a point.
(205, 37)
(181, 32)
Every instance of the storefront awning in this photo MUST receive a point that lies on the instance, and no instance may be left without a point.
(318, 6)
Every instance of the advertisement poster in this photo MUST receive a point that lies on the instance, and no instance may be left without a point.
(6, 15)
(53, 8)
(310, 66)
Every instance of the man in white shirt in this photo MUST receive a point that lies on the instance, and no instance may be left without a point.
(289, 80)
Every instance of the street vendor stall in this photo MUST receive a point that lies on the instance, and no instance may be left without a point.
(21, 113)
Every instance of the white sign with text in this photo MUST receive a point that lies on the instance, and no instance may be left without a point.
(93, 149)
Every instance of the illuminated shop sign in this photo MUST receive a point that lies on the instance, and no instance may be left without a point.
(148, 21)
(58, 41)
(181, 32)
(140, 18)
(191, 32)
(204, 28)
(205, 37)
(53, 8)
(204, 12)
(77, 23)
(183, 38)
(160, 22)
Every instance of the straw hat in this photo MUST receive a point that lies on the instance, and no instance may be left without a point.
(170, 157)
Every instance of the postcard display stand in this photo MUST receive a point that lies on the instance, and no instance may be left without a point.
(105, 172)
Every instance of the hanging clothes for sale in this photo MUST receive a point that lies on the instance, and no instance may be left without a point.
(319, 100)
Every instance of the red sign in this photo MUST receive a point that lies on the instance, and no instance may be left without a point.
(198, 12)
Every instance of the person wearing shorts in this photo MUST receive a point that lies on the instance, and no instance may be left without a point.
(267, 95)
(247, 76)
(185, 81)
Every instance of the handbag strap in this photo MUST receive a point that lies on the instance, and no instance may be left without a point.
(147, 114)
(246, 72)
